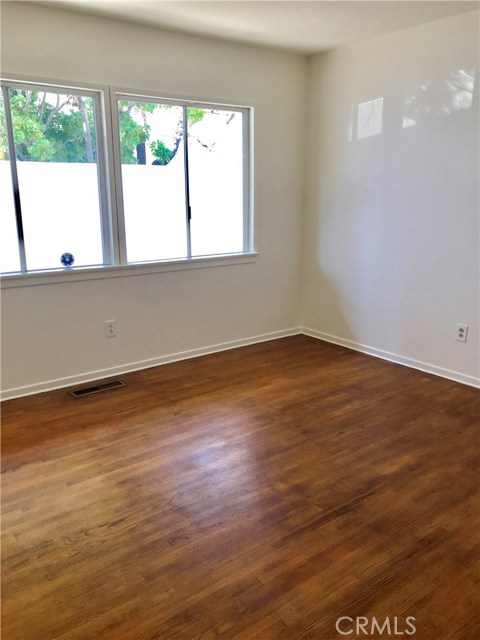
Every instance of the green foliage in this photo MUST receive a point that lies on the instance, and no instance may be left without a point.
(162, 153)
(67, 135)
(131, 133)
(49, 128)
(194, 115)
(48, 132)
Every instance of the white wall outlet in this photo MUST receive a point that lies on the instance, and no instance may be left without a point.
(462, 332)
(110, 328)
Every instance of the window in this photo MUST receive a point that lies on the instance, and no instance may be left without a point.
(183, 178)
(153, 180)
(48, 158)
(179, 170)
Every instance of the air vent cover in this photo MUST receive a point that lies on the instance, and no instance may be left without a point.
(106, 386)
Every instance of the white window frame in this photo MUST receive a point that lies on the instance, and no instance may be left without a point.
(116, 94)
(111, 192)
(101, 162)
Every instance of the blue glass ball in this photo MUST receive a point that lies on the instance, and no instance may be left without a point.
(67, 259)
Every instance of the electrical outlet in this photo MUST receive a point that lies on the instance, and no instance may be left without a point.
(462, 332)
(110, 328)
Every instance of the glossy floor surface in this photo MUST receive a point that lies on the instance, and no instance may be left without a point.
(262, 492)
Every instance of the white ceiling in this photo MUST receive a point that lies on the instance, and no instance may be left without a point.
(305, 26)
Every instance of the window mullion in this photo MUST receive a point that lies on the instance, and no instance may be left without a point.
(101, 161)
(15, 186)
(187, 183)
(247, 176)
(120, 241)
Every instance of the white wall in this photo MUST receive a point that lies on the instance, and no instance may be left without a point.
(390, 248)
(51, 332)
(391, 234)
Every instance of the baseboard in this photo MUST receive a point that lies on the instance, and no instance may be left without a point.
(60, 383)
(90, 376)
(394, 357)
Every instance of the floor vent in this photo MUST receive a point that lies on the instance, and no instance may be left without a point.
(87, 391)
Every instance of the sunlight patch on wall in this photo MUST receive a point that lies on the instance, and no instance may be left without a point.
(366, 119)
(451, 94)
(370, 118)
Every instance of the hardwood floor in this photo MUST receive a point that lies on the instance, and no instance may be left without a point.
(262, 492)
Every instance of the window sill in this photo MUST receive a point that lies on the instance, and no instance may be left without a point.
(124, 271)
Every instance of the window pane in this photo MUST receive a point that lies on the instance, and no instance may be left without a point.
(153, 178)
(55, 146)
(215, 160)
(9, 256)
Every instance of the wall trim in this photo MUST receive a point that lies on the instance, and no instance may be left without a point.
(426, 367)
(90, 376)
(65, 276)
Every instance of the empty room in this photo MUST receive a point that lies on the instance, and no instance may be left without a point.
(241, 402)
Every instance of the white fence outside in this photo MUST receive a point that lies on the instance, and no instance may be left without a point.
(61, 213)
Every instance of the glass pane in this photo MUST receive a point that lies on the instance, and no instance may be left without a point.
(9, 256)
(153, 178)
(55, 146)
(215, 160)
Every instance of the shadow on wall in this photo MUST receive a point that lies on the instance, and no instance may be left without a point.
(329, 315)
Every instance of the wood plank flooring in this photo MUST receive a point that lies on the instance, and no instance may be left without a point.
(262, 492)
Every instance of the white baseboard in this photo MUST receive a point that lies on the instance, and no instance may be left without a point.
(394, 357)
(90, 376)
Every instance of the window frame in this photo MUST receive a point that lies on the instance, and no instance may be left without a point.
(105, 208)
(110, 187)
(122, 93)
